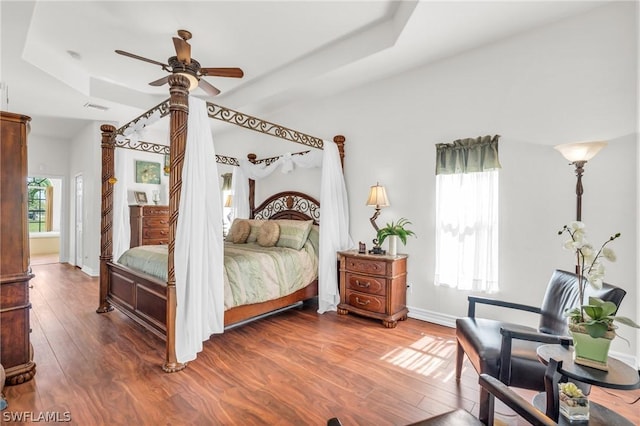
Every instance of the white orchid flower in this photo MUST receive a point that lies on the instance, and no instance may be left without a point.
(609, 254)
(576, 225)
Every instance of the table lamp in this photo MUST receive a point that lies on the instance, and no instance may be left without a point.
(377, 198)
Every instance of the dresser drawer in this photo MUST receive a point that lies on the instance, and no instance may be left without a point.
(366, 266)
(156, 211)
(155, 241)
(156, 222)
(151, 233)
(366, 301)
(366, 284)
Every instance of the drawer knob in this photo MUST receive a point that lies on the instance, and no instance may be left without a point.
(361, 302)
(363, 285)
(163, 232)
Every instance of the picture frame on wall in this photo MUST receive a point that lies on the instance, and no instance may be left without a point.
(147, 172)
(167, 165)
(141, 197)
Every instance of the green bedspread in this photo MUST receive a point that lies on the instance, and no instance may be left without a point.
(252, 273)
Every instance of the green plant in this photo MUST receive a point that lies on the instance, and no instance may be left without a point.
(597, 317)
(398, 229)
(570, 389)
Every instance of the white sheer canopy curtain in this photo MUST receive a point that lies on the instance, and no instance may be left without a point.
(334, 230)
(121, 226)
(467, 214)
(334, 205)
(199, 251)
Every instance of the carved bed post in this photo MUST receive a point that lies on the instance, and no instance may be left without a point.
(179, 110)
(252, 188)
(106, 222)
(339, 140)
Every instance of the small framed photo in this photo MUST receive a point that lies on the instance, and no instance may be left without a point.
(141, 197)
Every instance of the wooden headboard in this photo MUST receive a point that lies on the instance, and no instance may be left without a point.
(289, 205)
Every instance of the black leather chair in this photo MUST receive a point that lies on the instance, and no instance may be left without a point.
(507, 351)
(495, 388)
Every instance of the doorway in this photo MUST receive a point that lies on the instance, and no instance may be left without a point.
(44, 214)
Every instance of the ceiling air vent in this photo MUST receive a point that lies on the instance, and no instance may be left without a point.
(95, 106)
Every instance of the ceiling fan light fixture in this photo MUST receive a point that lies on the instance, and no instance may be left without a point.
(193, 81)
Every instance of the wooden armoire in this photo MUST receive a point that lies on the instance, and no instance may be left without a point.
(16, 353)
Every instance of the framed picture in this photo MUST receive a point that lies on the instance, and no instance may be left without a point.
(147, 172)
(141, 197)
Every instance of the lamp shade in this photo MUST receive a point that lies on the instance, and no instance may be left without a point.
(228, 202)
(193, 80)
(580, 151)
(377, 196)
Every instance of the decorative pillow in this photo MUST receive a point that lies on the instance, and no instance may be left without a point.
(314, 237)
(268, 234)
(293, 233)
(239, 231)
(255, 227)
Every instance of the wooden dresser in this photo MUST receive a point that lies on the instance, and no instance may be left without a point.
(374, 286)
(149, 225)
(16, 353)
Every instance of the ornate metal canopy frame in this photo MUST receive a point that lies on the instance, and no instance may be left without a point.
(220, 113)
(259, 125)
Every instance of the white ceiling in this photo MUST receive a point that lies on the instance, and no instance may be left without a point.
(286, 49)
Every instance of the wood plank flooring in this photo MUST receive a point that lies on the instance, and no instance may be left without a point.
(293, 368)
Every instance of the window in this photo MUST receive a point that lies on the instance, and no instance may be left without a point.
(467, 215)
(40, 202)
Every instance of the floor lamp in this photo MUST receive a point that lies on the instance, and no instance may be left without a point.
(578, 153)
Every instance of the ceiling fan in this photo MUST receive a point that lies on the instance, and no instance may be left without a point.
(184, 64)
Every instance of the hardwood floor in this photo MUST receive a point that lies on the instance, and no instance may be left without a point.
(294, 368)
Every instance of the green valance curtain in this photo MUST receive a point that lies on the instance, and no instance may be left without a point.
(469, 155)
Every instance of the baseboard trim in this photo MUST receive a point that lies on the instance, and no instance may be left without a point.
(433, 317)
(89, 271)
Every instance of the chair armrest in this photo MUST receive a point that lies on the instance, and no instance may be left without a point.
(508, 334)
(514, 401)
(495, 302)
(534, 336)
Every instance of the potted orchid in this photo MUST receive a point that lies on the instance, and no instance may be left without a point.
(591, 323)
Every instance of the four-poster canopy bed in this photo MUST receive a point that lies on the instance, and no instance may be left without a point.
(151, 301)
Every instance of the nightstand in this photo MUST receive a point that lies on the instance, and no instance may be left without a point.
(374, 285)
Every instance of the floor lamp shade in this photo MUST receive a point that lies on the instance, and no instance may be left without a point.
(580, 151)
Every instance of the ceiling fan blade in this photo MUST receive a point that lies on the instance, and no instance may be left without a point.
(207, 87)
(151, 61)
(183, 50)
(160, 81)
(222, 72)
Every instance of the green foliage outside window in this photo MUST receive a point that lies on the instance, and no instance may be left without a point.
(37, 203)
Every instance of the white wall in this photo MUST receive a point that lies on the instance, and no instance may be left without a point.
(130, 157)
(85, 158)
